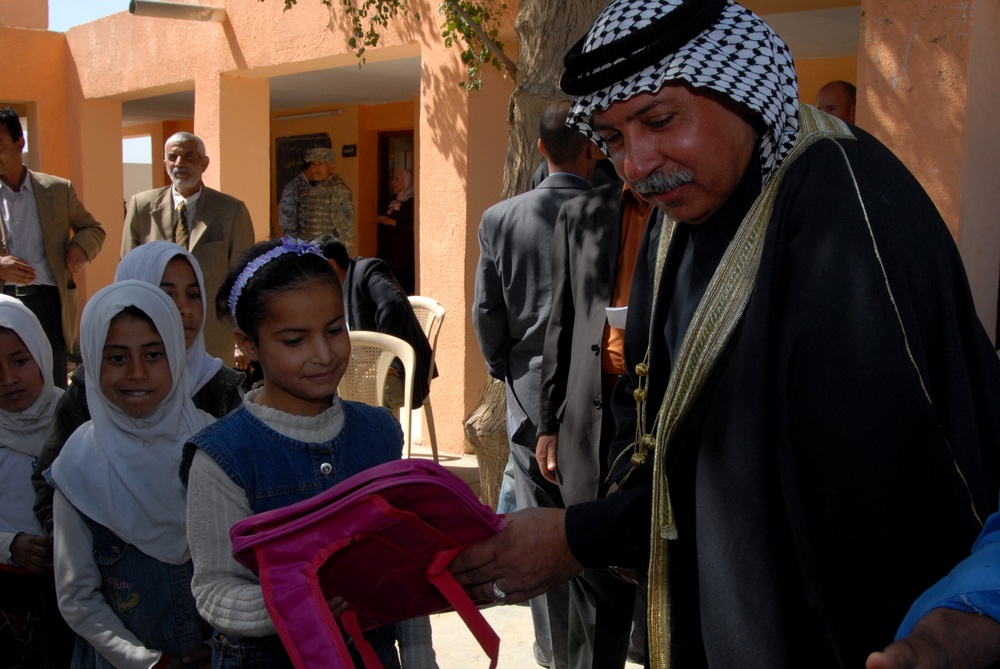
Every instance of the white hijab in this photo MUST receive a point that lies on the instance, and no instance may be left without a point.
(119, 471)
(406, 193)
(147, 262)
(24, 431)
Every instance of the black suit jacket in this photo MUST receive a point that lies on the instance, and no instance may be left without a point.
(375, 302)
(584, 267)
(514, 290)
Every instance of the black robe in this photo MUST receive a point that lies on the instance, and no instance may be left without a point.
(820, 482)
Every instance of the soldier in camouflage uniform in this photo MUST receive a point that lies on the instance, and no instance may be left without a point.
(318, 202)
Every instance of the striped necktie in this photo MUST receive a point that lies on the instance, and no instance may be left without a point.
(181, 229)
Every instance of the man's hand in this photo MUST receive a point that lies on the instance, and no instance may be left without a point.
(32, 552)
(529, 557)
(545, 455)
(76, 258)
(944, 639)
(15, 270)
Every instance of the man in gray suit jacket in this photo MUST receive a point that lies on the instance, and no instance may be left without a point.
(214, 226)
(46, 236)
(510, 311)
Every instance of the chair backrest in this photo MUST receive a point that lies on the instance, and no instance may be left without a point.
(372, 354)
(430, 315)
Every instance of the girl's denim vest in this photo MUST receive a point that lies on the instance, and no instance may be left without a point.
(153, 599)
(276, 471)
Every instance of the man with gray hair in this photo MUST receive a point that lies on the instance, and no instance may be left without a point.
(317, 202)
(808, 422)
(215, 227)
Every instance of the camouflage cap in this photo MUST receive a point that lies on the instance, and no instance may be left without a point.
(321, 155)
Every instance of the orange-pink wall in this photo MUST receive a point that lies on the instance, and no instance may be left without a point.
(929, 77)
(979, 232)
(914, 53)
(373, 119)
(25, 14)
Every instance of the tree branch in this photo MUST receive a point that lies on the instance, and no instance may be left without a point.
(508, 64)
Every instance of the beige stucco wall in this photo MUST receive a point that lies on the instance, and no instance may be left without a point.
(929, 86)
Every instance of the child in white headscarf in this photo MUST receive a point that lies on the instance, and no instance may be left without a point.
(31, 630)
(215, 388)
(122, 564)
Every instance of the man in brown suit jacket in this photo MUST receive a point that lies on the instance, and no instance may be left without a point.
(44, 240)
(214, 226)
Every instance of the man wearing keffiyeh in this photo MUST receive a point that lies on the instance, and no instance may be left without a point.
(808, 426)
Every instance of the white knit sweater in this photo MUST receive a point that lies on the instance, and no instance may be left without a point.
(228, 594)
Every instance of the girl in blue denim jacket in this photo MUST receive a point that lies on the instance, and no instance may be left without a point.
(122, 562)
(292, 439)
(32, 633)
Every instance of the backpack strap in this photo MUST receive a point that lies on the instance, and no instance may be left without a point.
(442, 579)
(350, 622)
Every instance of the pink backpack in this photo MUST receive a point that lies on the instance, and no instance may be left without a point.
(383, 540)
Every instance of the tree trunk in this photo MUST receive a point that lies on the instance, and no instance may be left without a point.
(546, 30)
(486, 430)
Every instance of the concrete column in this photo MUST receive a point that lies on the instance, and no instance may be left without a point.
(927, 88)
(231, 115)
(912, 83)
(979, 231)
(462, 141)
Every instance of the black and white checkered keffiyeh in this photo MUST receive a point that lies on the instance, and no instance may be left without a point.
(737, 55)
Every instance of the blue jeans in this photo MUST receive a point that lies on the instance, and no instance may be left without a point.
(268, 652)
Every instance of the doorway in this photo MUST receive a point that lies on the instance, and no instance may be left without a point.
(396, 234)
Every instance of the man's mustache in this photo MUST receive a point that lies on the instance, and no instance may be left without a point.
(662, 182)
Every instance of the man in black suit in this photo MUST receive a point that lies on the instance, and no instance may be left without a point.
(374, 301)
(510, 311)
(597, 238)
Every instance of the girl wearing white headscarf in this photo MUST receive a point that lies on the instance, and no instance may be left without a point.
(214, 387)
(148, 263)
(118, 497)
(28, 627)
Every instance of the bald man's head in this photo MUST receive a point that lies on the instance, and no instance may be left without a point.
(838, 98)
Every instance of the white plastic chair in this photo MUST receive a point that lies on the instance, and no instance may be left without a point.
(430, 314)
(364, 380)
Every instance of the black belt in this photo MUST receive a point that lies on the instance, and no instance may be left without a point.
(25, 291)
